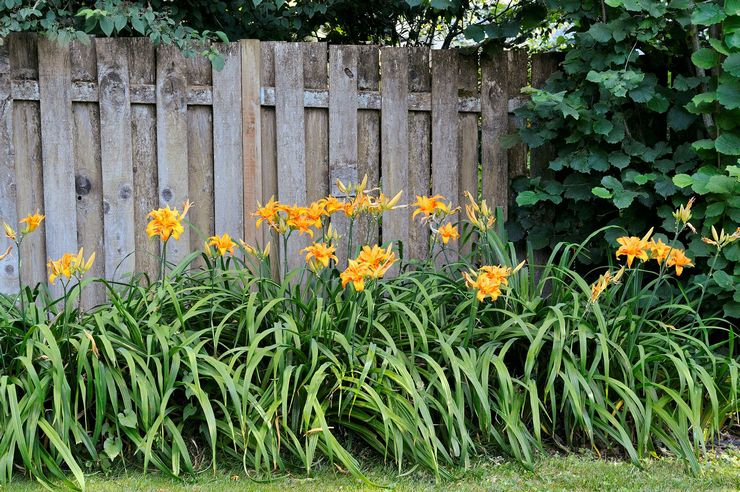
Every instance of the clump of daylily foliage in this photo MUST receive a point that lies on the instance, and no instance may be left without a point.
(427, 361)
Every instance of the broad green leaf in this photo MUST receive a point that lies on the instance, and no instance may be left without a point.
(705, 58)
(728, 94)
(731, 64)
(707, 13)
(728, 144)
(601, 192)
(682, 180)
(600, 32)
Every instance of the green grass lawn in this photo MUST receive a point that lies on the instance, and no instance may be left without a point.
(573, 472)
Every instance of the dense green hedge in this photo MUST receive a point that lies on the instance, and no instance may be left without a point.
(644, 112)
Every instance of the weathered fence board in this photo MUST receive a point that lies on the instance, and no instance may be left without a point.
(467, 136)
(420, 150)
(142, 70)
(56, 148)
(494, 125)
(88, 169)
(172, 139)
(201, 155)
(251, 136)
(315, 76)
(117, 158)
(395, 138)
(342, 131)
(8, 273)
(291, 152)
(97, 135)
(228, 168)
(368, 137)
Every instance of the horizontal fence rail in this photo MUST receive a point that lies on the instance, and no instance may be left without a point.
(95, 136)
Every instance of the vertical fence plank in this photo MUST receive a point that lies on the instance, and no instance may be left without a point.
(420, 150)
(468, 136)
(291, 133)
(269, 147)
(445, 159)
(395, 140)
(116, 157)
(342, 131)
(88, 171)
(251, 136)
(200, 135)
(142, 70)
(172, 141)
(56, 147)
(315, 76)
(494, 124)
(517, 78)
(8, 273)
(27, 153)
(368, 136)
(228, 170)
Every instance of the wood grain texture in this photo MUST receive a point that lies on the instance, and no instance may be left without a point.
(172, 141)
(251, 136)
(30, 187)
(228, 165)
(291, 134)
(368, 138)
(395, 140)
(420, 151)
(88, 171)
(467, 138)
(117, 158)
(142, 70)
(269, 149)
(445, 159)
(8, 213)
(343, 133)
(494, 125)
(200, 134)
(516, 79)
(57, 149)
(315, 76)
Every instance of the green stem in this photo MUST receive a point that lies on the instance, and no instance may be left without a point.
(163, 261)
(20, 280)
(285, 255)
(349, 237)
(471, 321)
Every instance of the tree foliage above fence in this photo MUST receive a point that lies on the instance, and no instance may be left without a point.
(186, 23)
(644, 113)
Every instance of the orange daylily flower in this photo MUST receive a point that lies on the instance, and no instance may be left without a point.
(679, 259)
(356, 272)
(487, 281)
(428, 205)
(658, 250)
(634, 247)
(222, 244)
(447, 232)
(377, 259)
(69, 265)
(32, 222)
(318, 256)
(167, 222)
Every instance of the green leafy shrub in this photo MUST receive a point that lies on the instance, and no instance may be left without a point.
(644, 114)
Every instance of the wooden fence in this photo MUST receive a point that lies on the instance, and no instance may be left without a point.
(97, 135)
